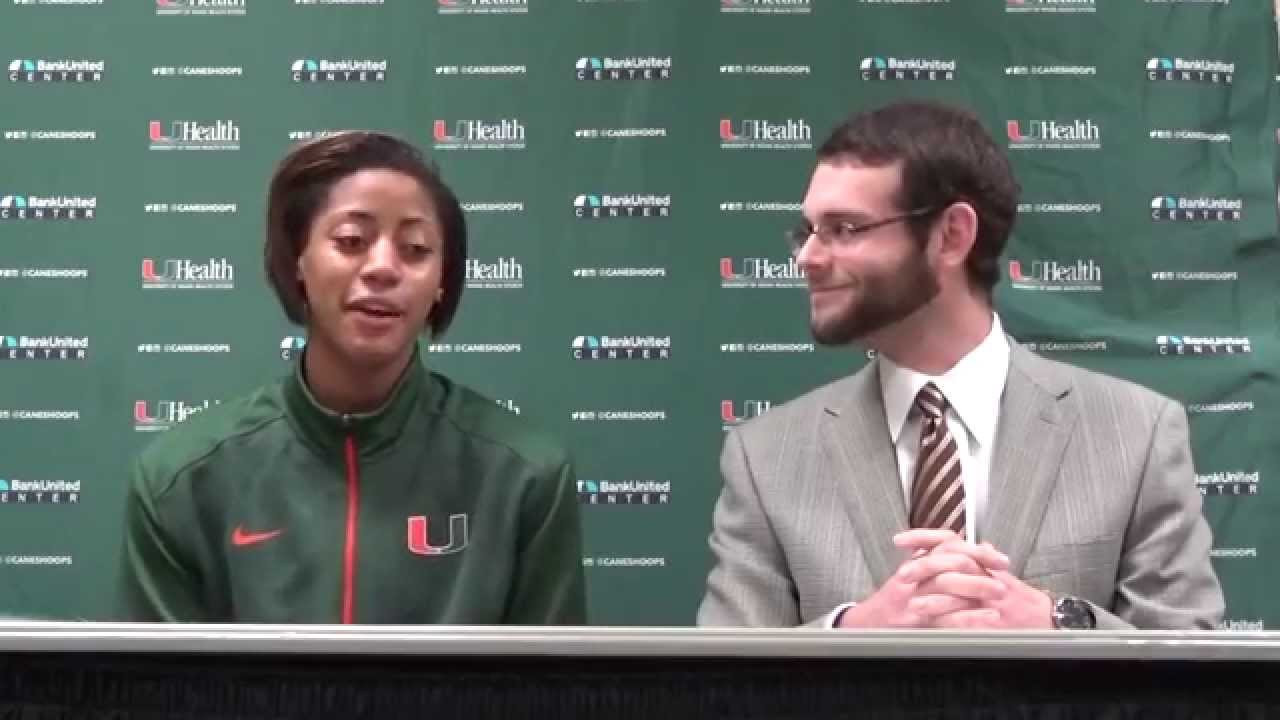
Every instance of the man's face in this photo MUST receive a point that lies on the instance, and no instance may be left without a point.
(371, 268)
(860, 282)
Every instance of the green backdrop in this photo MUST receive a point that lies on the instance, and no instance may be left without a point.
(628, 167)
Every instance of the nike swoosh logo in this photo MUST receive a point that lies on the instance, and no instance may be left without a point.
(241, 538)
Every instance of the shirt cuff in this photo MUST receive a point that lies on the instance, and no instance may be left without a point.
(833, 618)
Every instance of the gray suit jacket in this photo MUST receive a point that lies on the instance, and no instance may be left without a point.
(1092, 494)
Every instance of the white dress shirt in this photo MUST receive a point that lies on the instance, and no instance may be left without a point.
(973, 388)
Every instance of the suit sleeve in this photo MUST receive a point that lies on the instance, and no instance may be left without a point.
(155, 583)
(549, 587)
(1165, 580)
(749, 584)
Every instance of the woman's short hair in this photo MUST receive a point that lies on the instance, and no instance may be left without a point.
(300, 188)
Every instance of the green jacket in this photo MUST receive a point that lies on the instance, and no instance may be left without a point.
(441, 507)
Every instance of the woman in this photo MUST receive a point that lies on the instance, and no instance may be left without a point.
(361, 488)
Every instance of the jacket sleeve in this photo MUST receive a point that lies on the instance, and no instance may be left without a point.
(750, 584)
(549, 586)
(155, 583)
(1165, 580)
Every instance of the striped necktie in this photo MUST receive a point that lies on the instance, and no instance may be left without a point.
(937, 494)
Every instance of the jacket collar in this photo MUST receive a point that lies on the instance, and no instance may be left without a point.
(327, 431)
(1036, 424)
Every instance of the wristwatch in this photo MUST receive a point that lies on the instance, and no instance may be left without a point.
(1072, 613)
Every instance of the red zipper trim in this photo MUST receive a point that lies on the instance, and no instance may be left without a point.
(349, 549)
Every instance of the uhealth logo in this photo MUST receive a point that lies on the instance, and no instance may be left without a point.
(307, 70)
(46, 347)
(52, 207)
(56, 71)
(482, 7)
(1074, 134)
(760, 272)
(187, 274)
(593, 207)
(878, 67)
(193, 135)
(200, 7)
(733, 413)
(1170, 208)
(502, 134)
(631, 347)
(1176, 69)
(291, 345)
(788, 134)
(627, 68)
(1051, 275)
(766, 7)
(506, 273)
(164, 414)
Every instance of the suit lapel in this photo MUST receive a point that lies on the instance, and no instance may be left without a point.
(856, 440)
(1027, 458)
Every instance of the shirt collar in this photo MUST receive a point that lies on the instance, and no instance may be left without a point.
(973, 387)
(327, 431)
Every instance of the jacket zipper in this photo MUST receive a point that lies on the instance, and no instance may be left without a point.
(349, 548)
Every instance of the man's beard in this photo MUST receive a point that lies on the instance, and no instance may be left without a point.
(882, 300)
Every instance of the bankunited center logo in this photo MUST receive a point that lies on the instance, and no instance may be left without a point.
(186, 274)
(1054, 276)
(194, 135)
(788, 134)
(1075, 134)
(626, 492)
(604, 207)
(1171, 208)
(890, 68)
(767, 7)
(201, 7)
(760, 272)
(1177, 345)
(502, 134)
(482, 7)
(56, 71)
(48, 207)
(291, 346)
(1176, 69)
(630, 347)
(307, 70)
(44, 347)
(164, 414)
(39, 492)
(1237, 482)
(627, 68)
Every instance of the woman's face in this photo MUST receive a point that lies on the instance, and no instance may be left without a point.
(371, 268)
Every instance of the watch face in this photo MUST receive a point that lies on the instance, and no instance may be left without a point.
(1073, 614)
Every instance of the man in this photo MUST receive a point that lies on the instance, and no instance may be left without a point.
(958, 480)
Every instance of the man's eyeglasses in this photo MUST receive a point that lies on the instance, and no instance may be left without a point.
(841, 234)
